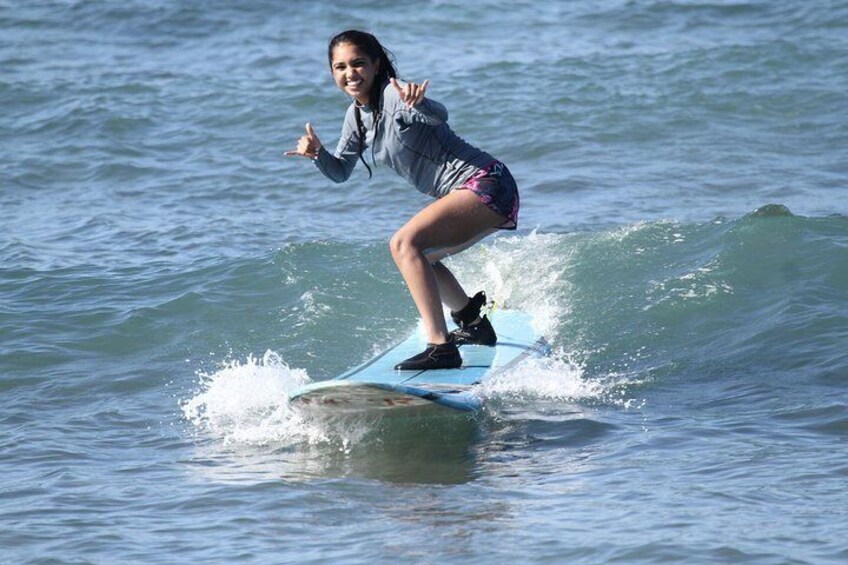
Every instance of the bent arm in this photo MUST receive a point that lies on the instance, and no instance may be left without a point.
(430, 112)
(427, 111)
(338, 167)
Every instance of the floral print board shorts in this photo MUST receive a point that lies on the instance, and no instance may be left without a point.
(495, 187)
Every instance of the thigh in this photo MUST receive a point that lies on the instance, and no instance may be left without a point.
(437, 254)
(450, 224)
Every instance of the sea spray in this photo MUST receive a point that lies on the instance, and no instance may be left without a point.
(527, 273)
(560, 377)
(532, 273)
(245, 402)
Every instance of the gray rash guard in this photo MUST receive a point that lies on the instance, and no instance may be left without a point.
(416, 143)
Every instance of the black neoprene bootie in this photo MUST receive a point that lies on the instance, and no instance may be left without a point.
(481, 333)
(473, 328)
(436, 356)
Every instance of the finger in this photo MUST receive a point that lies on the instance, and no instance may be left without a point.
(411, 89)
(416, 94)
(401, 90)
(424, 86)
(295, 154)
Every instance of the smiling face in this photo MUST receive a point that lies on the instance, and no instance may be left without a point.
(354, 71)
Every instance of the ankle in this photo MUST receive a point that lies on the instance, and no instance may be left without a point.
(470, 313)
(442, 340)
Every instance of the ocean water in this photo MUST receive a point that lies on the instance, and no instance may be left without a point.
(167, 276)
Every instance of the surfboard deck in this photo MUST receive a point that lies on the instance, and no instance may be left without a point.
(376, 386)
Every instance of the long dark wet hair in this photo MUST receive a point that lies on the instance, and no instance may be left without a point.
(376, 52)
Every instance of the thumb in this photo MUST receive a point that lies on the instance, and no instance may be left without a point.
(309, 131)
(396, 84)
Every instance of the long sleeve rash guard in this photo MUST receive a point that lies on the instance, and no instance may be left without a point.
(416, 143)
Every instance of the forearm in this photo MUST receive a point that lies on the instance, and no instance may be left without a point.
(332, 167)
(429, 112)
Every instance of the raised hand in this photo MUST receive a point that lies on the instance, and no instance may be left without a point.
(307, 146)
(411, 93)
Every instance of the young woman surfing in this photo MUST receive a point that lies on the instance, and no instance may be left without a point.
(475, 194)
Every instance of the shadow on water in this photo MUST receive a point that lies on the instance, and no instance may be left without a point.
(404, 449)
(544, 414)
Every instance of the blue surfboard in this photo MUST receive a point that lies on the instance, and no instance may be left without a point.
(376, 385)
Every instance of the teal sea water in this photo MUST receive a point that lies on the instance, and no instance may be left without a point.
(167, 276)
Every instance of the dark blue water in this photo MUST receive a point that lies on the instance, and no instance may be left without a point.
(167, 277)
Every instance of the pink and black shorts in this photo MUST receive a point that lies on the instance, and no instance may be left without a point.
(494, 186)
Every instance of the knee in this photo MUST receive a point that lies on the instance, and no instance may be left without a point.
(402, 245)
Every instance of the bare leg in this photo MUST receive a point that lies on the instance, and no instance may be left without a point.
(451, 292)
(446, 226)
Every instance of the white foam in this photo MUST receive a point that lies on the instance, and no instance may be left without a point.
(527, 273)
(553, 378)
(559, 378)
(531, 273)
(246, 402)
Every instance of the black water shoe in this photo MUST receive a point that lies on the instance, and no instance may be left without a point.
(471, 311)
(436, 356)
(473, 328)
(479, 333)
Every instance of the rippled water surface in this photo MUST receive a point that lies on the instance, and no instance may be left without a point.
(167, 277)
